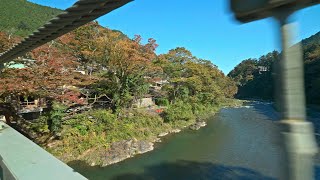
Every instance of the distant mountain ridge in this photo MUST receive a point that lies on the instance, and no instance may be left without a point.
(20, 17)
(314, 39)
(253, 82)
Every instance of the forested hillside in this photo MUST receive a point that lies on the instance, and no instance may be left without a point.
(255, 76)
(91, 84)
(20, 17)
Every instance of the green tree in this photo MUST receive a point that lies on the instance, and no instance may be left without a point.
(55, 117)
(192, 79)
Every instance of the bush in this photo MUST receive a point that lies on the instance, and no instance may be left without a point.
(179, 111)
(105, 124)
(100, 128)
(199, 108)
(143, 124)
(51, 121)
(56, 115)
(162, 102)
(94, 121)
(40, 125)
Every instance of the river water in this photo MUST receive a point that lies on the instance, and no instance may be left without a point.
(238, 143)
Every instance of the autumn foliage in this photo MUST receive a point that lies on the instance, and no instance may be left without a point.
(53, 68)
(117, 67)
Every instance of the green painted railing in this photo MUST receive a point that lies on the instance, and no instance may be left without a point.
(21, 159)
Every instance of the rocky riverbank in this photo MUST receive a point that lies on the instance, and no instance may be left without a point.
(125, 149)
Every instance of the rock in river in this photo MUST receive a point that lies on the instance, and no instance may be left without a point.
(163, 134)
(175, 130)
(198, 125)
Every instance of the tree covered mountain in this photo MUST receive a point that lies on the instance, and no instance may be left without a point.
(314, 39)
(20, 17)
(255, 77)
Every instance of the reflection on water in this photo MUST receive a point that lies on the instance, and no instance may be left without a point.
(238, 143)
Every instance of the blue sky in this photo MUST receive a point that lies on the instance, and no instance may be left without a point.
(205, 27)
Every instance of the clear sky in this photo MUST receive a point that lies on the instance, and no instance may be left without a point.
(205, 27)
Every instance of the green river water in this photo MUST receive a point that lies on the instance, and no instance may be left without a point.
(238, 143)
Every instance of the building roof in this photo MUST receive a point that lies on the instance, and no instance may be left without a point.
(16, 66)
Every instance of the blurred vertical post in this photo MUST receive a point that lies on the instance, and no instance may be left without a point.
(297, 133)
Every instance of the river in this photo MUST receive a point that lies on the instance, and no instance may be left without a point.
(237, 143)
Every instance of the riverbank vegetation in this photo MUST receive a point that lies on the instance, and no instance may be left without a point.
(88, 136)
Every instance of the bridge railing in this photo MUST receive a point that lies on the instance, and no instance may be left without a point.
(20, 158)
(5, 173)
